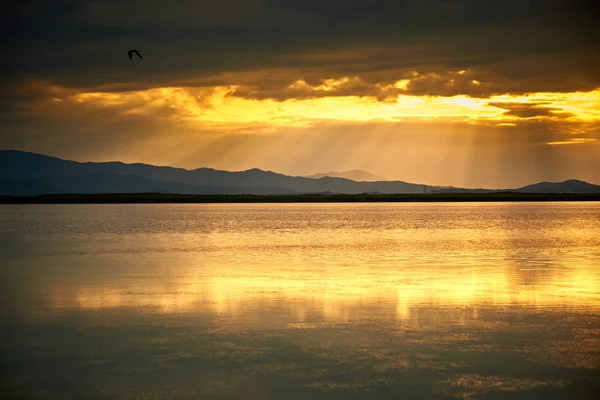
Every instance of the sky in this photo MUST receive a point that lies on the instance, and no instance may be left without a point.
(467, 93)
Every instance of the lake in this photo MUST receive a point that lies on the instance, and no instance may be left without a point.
(300, 301)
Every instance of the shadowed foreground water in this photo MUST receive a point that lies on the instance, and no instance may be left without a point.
(300, 301)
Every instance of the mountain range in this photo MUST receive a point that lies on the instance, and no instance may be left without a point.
(30, 174)
(24, 173)
(354, 175)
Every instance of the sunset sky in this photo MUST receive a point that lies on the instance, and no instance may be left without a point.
(458, 92)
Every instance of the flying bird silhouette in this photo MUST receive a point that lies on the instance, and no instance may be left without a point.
(132, 51)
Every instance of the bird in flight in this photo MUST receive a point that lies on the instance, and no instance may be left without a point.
(132, 51)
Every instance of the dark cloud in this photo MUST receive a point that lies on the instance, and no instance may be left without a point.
(531, 110)
(510, 46)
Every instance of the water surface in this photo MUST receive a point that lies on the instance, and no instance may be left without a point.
(300, 301)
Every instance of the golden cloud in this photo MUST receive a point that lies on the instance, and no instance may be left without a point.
(573, 141)
(222, 106)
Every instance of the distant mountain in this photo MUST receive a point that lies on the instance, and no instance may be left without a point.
(462, 190)
(354, 175)
(114, 183)
(35, 172)
(23, 173)
(23, 188)
(569, 186)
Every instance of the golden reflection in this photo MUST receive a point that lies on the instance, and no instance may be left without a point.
(338, 262)
(337, 294)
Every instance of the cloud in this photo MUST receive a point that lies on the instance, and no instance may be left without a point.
(531, 110)
(83, 44)
(573, 141)
(434, 140)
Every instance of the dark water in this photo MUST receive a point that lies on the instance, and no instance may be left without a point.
(300, 301)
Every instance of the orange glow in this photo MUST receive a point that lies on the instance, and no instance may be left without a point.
(573, 141)
(220, 107)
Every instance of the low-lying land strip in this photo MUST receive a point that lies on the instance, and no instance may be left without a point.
(106, 198)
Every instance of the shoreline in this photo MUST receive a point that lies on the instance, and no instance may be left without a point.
(162, 198)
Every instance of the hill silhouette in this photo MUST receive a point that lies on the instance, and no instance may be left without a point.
(29, 174)
(115, 183)
(568, 186)
(355, 175)
(41, 171)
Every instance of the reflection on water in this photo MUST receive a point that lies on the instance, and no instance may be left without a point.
(300, 301)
